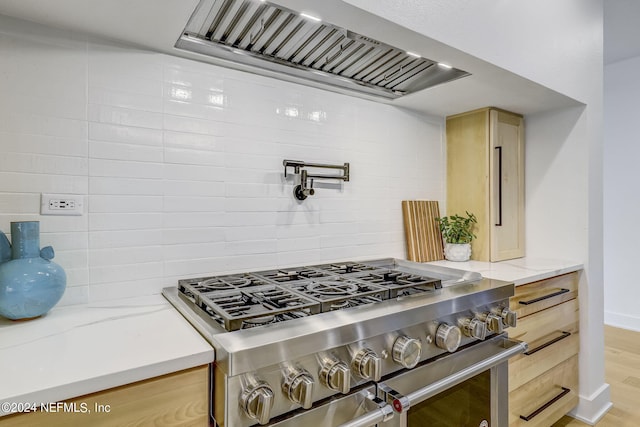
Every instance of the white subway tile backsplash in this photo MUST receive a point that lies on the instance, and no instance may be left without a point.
(61, 105)
(193, 219)
(124, 238)
(103, 96)
(75, 294)
(43, 144)
(181, 163)
(193, 172)
(211, 249)
(194, 188)
(189, 156)
(124, 116)
(132, 152)
(298, 244)
(62, 241)
(43, 125)
(253, 262)
(123, 256)
(193, 204)
(126, 169)
(193, 141)
(308, 257)
(42, 183)
(125, 204)
(125, 221)
(120, 273)
(132, 287)
(16, 203)
(179, 236)
(180, 103)
(127, 186)
(176, 269)
(183, 124)
(125, 134)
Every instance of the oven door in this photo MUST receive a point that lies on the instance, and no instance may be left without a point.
(362, 404)
(467, 388)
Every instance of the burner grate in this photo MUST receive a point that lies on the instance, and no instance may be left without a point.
(340, 292)
(399, 283)
(252, 299)
(346, 268)
(255, 306)
(286, 275)
(221, 283)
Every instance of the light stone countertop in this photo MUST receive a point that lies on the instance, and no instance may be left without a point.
(82, 349)
(520, 271)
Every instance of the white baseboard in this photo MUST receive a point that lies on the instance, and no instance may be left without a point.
(622, 321)
(592, 408)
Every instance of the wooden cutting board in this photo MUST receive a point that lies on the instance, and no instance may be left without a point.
(424, 240)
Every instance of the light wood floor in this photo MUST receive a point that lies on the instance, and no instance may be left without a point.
(622, 372)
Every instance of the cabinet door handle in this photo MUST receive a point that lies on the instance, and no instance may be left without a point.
(564, 334)
(499, 223)
(544, 297)
(546, 405)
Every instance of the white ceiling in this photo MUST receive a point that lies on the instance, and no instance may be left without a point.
(156, 24)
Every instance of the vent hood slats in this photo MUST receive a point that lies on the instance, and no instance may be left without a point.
(267, 36)
(386, 62)
(398, 80)
(245, 24)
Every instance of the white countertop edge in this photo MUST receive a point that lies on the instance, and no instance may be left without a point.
(68, 353)
(548, 274)
(520, 271)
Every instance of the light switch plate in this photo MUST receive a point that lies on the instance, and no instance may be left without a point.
(61, 204)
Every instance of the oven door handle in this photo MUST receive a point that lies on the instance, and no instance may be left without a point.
(383, 412)
(510, 349)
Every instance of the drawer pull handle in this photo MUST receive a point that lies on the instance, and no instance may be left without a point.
(546, 405)
(548, 343)
(544, 297)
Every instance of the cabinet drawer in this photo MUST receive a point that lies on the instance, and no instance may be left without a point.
(546, 399)
(542, 356)
(539, 326)
(536, 296)
(180, 399)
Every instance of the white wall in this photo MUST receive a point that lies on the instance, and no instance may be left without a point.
(558, 45)
(621, 202)
(181, 163)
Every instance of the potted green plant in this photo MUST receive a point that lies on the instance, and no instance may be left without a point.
(457, 233)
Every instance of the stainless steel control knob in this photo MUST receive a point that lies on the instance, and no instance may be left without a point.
(448, 337)
(257, 400)
(474, 328)
(367, 364)
(509, 317)
(336, 376)
(406, 351)
(494, 323)
(298, 387)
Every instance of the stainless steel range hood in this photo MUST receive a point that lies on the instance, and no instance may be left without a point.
(272, 38)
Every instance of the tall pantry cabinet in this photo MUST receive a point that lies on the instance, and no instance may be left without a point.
(485, 176)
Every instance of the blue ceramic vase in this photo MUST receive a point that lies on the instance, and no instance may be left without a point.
(30, 283)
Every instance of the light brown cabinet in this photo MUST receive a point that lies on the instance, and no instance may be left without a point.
(485, 176)
(543, 382)
(178, 399)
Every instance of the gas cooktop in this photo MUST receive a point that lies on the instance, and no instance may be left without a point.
(246, 300)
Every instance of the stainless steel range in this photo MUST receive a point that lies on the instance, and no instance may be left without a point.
(353, 343)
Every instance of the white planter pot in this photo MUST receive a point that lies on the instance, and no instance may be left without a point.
(457, 251)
